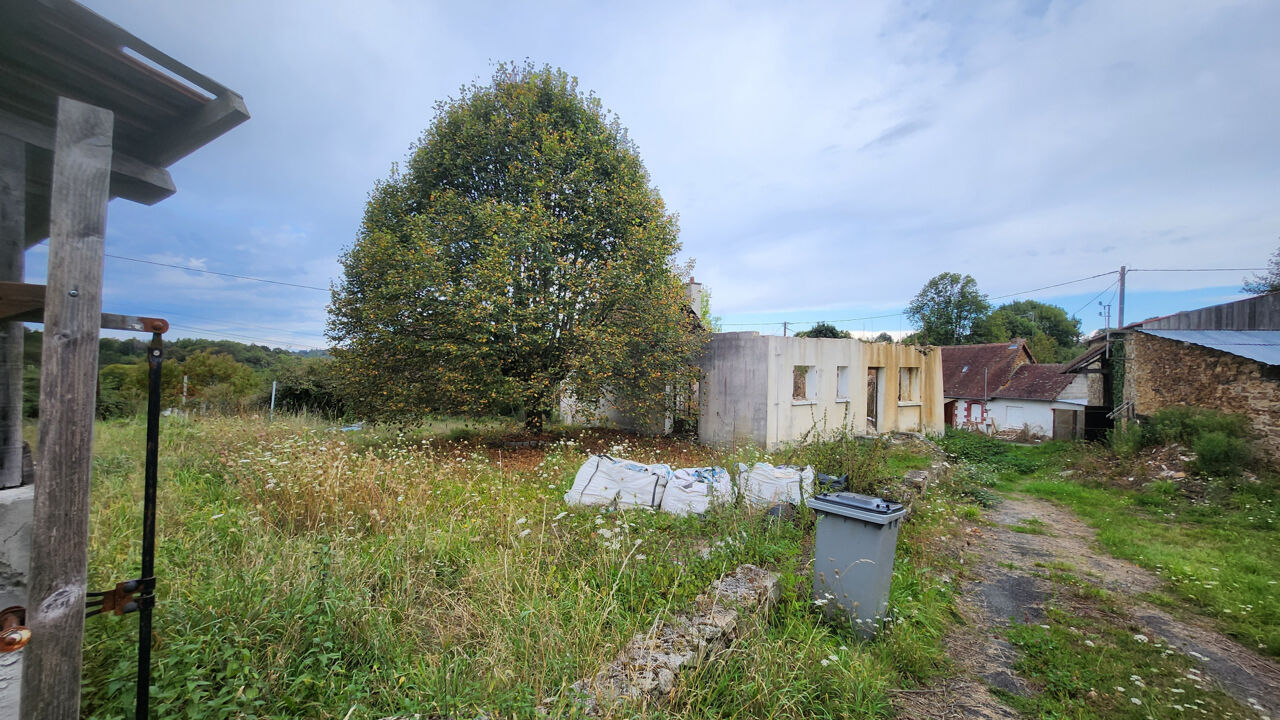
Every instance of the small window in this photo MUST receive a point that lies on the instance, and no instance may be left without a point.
(804, 383)
(909, 384)
(842, 382)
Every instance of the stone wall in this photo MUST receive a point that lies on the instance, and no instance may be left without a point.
(1160, 373)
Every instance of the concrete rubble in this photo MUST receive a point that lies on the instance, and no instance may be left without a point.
(646, 669)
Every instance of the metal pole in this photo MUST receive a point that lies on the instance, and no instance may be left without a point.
(147, 599)
(1120, 310)
(272, 413)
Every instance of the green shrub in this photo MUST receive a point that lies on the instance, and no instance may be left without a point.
(1218, 453)
(1184, 424)
(1128, 439)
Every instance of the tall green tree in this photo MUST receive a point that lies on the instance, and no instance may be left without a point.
(523, 253)
(946, 309)
(1054, 336)
(1266, 282)
(824, 330)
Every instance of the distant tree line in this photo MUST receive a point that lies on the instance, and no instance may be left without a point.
(221, 376)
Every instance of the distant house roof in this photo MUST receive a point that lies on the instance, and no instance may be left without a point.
(1036, 382)
(1260, 345)
(1085, 359)
(963, 365)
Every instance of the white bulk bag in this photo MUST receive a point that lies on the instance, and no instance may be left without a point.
(602, 480)
(694, 490)
(764, 484)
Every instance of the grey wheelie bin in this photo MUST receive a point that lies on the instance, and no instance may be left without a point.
(853, 557)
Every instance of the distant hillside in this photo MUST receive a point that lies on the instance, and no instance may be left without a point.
(126, 352)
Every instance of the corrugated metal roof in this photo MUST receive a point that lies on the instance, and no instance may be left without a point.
(1260, 345)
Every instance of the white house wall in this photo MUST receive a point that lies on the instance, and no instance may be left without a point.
(1035, 415)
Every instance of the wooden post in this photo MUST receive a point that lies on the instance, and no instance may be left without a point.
(68, 380)
(13, 190)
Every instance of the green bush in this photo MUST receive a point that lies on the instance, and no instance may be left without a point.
(1128, 439)
(1185, 424)
(1220, 440)
(1218, 453)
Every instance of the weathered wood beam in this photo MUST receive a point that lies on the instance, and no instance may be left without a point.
(13, 184)
(214, 119)
(59, 548)
(24, 302)
(131, 179)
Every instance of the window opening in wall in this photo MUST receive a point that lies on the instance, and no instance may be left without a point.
(874, 376)
(804, 383)
(842, 382)
(909, 384)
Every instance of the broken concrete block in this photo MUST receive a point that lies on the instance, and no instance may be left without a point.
(647, 668)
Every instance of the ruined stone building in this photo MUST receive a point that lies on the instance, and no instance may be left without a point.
(1225, 357)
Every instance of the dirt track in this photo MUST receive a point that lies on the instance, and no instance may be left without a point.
(1006, 584)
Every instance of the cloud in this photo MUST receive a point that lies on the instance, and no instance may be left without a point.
(820, 155)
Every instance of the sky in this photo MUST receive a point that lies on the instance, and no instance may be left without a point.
(825, 159)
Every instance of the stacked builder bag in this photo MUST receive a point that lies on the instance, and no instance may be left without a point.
(602, 480)
(695, 490)
(763, 484)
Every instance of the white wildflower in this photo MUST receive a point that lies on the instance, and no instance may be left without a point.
(1141, 638)
(525, 532)
(522, 521)
(1135, 701)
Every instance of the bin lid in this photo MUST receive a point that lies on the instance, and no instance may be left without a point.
(856, 505)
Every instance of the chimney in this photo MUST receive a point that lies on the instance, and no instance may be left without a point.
(694, 289)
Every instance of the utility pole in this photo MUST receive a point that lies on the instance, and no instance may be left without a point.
(784, 329)
(1120, 309)
(184, 391)
(1106, 314)
(271, 414)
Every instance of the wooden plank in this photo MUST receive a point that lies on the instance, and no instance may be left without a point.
(131, 178)
(13, 184)
(18, 300)
(59, 547)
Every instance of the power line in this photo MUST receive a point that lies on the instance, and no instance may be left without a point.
(1095, 297)
(1046, 287)
(899, 314)
(215, 272)
(278, 342)
(256, 326)
(1255, 269)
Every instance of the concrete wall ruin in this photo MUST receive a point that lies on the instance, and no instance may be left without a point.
(772, 390)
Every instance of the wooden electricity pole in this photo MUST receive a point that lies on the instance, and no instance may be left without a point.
(68, 375)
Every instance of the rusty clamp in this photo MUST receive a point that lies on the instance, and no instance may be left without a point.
(14, 633)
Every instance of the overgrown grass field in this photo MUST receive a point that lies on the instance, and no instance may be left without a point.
(308, 572)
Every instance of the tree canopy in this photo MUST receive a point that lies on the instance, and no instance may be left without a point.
(1268, 281)
(946, 309)
(950, 310)
(1053, 335)
(824, 330)
(521, 254)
